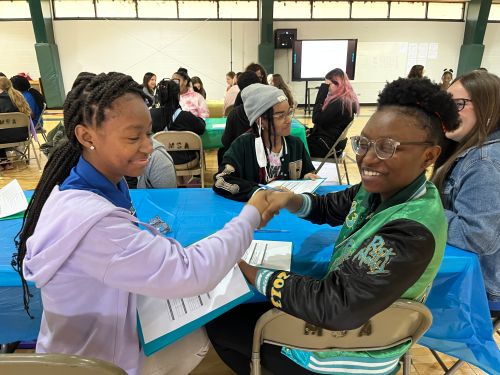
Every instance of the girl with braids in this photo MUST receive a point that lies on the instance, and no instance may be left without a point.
(470, 176)
(390, 246)
(334, 109)
(82, 245)
(11, 100)
(267, 152)
(190, 100)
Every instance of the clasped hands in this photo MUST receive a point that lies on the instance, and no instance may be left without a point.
(270, 202)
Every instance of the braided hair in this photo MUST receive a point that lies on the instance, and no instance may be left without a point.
(86, 103)
(433, 108)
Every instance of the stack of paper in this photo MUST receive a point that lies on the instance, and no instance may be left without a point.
(298, 186)
(275, 255)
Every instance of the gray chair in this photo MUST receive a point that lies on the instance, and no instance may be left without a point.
(404, 320)
(39, 127)
(13, 120)
(55, 364)
(331, 157)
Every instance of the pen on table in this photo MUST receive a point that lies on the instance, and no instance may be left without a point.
(265, 187)
(272, 230)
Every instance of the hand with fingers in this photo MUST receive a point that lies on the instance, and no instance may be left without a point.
(311, 176)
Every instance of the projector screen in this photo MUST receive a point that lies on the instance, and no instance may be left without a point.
(312, 59)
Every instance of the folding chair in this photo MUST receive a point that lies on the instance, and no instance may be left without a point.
(14, 120)
(55, 364)
(39, 126)
(331, 156)
(401, 322)
(174, 141)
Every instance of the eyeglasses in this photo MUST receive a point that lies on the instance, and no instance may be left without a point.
(460, 103)
(385, 148)
(282, 115)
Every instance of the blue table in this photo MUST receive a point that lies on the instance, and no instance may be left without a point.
(461, 326)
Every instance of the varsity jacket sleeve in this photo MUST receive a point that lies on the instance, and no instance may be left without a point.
(229, 182)
(331, 208)
(364, 284)
(307, 165)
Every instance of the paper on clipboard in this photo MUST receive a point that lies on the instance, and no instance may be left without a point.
(298, 186)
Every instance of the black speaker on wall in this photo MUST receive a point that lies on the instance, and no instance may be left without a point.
(283, 38)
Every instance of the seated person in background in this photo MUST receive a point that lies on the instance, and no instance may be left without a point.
(446, 79)
(33, 97)
(259, 70)
(266, 153)
(160, 171)
(237, 121)
(334, 109)
(190, 100)
(277, 81)
(172, 117)
(11, 100)
(198, 86)
(231, 93)
(390, 246)
(149, 86)
(230, 80)
(469, 179)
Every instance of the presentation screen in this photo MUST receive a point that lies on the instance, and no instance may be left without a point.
(312, 59)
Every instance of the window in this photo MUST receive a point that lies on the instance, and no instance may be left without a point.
(494, 12)
(15, 9)
(198, 9)
(407, 10)
(361, 9)
(446, 11)
(292, 9)
(74, 9)
(156, 9)
(331, 9)
(238, 9)
(115, 9)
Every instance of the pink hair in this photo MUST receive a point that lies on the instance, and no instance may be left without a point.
(344, 93)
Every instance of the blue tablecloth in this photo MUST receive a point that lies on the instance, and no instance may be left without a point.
(461, 326)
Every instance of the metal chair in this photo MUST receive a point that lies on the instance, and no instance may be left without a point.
(184, 141)
(13, 120)
(404, 320)
(55, 364)
(38, 126)
(331, 156)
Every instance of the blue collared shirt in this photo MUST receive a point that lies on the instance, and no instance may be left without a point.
(84, 176)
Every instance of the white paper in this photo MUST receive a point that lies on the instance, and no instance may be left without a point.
(12, 199)
(298, 186)
(159, 316)
(276, 255)
(219, 126)
(327, 171)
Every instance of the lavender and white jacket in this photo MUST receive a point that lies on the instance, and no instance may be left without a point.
(90, 260)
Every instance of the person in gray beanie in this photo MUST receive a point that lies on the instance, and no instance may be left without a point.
(267, 151)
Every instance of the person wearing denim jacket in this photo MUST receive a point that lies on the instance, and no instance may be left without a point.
(470, 177)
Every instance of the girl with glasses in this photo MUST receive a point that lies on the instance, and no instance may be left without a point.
(334, 109)
(469, 179)
(390, 246)
(267, 151)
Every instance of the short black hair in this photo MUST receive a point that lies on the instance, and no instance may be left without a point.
(433, 108)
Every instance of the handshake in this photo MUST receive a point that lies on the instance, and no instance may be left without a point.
(270, 202)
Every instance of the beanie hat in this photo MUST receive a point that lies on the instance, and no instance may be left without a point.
(258, 98)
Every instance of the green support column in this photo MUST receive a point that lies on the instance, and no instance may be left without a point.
(471, 52)
(47, 53)
(266, 46)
